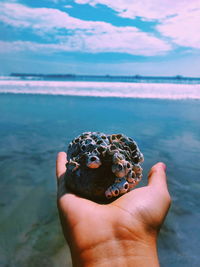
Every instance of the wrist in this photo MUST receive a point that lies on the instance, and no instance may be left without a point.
(113, 252)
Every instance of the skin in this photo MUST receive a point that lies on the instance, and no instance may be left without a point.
(122, 233)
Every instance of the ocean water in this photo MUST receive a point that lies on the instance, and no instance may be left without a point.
(145, 89)
(34, 126)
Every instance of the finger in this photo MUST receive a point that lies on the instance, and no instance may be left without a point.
(157, 176)
(61, 164)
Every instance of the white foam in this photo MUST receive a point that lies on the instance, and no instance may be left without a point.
(103, 89)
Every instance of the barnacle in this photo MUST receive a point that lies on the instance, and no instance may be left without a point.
(102, 166)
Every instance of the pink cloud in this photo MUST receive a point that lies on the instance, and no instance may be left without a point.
(183, 29)
(123, 42)
(147, 9)
(86, 36)
(178, 20)
(40, 18)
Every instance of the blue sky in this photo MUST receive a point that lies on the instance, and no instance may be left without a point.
(127, 37)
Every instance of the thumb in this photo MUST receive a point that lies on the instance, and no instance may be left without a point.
(61, 164)
(157, 182)
(157, 176)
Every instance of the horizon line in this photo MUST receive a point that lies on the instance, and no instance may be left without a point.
(71, 75)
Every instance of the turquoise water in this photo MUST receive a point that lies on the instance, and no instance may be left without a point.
(33, 128)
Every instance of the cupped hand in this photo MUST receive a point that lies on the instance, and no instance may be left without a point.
(125, 229)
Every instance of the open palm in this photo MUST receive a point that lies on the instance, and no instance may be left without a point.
(134, 217)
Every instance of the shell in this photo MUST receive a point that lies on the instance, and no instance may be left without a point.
(103, 167)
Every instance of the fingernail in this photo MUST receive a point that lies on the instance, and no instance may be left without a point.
(163, 165)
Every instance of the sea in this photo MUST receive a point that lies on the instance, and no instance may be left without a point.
(40, 115)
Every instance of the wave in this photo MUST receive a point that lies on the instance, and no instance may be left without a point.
(102, 89)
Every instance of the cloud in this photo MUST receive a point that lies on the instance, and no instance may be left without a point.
(147, 9)
(74, 34)
(178, 20)
(125, 40)
(44, 19)
(68, 6)
(15, 46)
(183, 29)
(81, 42)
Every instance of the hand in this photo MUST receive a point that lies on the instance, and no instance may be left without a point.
(122, 233)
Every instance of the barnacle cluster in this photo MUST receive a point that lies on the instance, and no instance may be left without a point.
(103, 166)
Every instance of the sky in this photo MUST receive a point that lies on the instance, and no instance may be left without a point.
(116, 37)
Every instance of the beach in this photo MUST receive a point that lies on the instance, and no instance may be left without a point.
(114, 67)
(34, 127)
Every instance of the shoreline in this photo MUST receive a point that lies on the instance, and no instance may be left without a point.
(103, 89)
